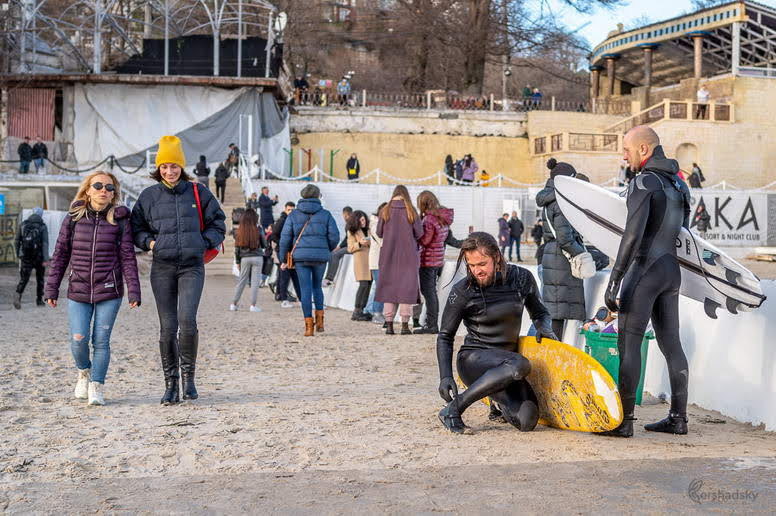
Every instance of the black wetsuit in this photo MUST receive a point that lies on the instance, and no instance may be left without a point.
(488, 362)
(658, 207)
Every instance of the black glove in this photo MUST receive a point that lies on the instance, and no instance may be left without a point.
(612, 291)
(544, 329)
(446, 386)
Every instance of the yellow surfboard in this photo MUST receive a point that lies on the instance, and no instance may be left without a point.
(574, 391)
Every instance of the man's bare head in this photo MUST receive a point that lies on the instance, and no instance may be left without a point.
(638, 145)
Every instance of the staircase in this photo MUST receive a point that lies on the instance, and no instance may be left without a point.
(234, 198)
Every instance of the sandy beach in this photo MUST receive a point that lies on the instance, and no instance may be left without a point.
(352, 409)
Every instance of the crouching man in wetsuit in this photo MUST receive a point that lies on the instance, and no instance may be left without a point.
(648, 270)
(490, 303)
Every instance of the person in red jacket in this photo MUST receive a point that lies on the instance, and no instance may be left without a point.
(436, 226)
(95, 241)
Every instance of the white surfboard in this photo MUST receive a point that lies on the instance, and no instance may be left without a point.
(708, 274)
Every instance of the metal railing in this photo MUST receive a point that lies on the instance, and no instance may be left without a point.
(438, 100)
(676, 110)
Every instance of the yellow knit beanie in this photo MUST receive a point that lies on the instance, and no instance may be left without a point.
(170, 151)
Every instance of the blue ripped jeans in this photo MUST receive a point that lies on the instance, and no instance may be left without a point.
(80, 316)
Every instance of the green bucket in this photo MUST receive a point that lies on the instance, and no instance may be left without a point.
(603, 347)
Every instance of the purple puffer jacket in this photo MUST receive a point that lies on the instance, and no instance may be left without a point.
(98, 264)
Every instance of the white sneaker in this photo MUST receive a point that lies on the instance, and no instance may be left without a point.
(232, 308)
(95, 394)
(82, 386)
(286, 304)
(255, 309)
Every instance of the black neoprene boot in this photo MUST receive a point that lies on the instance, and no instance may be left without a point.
(451, 418)
(624, 430)
(169, 352)
(495, 413)
(188, 351)
(673, 424)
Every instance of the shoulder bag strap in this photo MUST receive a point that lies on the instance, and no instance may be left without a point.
(300, 234)
(199, 206)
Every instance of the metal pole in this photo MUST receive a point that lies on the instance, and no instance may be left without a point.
(166, 37)
(269, 45)
(250, 136)
(239, 39)
(97, 37)
(216, 41)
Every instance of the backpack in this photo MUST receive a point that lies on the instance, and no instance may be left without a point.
(32, 241)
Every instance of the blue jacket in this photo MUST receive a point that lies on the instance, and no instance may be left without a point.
(169, 217)
(319, 238)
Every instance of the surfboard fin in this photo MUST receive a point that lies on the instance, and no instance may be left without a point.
(732, 276)
(710, 307)
(732, 305)
(710, 257)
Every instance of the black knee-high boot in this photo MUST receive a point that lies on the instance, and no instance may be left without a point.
(168, 348)
(188, 351)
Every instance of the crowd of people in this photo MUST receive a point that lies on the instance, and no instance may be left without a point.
(398, 252)
(37, 153)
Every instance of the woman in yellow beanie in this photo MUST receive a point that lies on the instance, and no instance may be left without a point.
(165, 221)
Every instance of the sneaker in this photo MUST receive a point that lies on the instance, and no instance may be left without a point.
(232, 308)
(286, 304)
(95, 394)
(82, 385)
(255, 309)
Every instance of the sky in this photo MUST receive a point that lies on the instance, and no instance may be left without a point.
(604, 20)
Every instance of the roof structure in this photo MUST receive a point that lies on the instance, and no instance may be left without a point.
(737, 37)
(92, 36)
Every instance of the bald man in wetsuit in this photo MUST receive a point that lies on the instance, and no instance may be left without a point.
(647, 277)
(490, 302)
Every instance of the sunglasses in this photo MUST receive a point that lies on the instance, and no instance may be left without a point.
(99, 186)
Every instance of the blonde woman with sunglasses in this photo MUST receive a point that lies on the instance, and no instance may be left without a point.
(95, 240)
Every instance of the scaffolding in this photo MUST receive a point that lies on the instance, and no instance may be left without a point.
(97, 36)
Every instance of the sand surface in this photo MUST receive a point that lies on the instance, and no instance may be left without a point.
(273, 403)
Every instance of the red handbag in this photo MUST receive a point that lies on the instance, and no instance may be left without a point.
(210, 254)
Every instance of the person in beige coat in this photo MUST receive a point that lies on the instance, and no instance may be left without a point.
(376, 243)
(357, 230)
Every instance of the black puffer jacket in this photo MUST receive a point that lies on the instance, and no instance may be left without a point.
(169, 216)
(563, 294)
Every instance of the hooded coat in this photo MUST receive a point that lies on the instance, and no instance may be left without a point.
(319, 238)
(99, 262)
(436, 227)
(563, 294)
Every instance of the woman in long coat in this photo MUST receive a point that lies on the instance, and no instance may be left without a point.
(400, 228)
(563, 294)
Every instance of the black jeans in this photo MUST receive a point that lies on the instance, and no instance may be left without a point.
(362, 294)
(284, 276)
(177, 291)
(334, 262)
(428, 287)
(220, 191)
(24, 276)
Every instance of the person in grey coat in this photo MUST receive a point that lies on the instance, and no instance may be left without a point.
(563, 294)
(398, 283)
